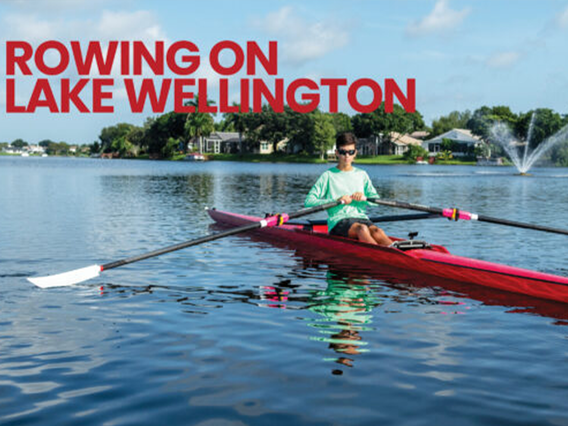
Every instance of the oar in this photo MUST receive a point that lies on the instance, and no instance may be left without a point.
(456, 214)
(84, 274)
(375, 219)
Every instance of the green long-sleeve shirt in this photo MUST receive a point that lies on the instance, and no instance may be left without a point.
(332, 185)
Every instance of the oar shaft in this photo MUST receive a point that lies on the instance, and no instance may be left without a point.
(179, 246)
(461, 214)
(267, 222)
(375, 219)
(507, 222)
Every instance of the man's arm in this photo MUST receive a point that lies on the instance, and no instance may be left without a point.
(318, 195)
(370, 191)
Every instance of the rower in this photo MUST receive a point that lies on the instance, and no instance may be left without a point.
(352, 186)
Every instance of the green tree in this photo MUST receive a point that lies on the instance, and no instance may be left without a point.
(545, 122)
(413, 153)
(199, 124)
(95, 147)
(45, 143)
(301, 132)
(275, 126)
(324, 132)
(559, 154)
(160, 129)
(170, 148)
(237, 121)
(224, 126)
(111, 133)
(341, 122)
(19, 143)
(380, 122)
(483, 118)
(454, 120)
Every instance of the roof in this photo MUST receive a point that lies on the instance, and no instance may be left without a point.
(458, 135)
(420, 134)
(224, 136)
(400, 139)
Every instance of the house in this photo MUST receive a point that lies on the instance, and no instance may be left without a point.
(268, 147)
(12, 150)
(36, 149)
(398, 143)
(220, 142)
(395, 144)
(465, 142)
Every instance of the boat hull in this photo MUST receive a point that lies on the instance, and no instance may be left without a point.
(436, 262)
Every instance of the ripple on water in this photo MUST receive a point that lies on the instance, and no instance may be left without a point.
(243, 331)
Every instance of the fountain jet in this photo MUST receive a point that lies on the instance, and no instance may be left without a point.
(519, 151)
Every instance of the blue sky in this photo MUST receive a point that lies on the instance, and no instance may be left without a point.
(462, 53)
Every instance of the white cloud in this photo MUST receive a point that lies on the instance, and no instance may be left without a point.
(562, 19)
(503, 59)
(440, 20)
(30, 28)
(108, 25)
(138, 25)
(302, 41)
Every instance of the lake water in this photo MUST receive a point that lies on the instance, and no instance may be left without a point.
(242, 331)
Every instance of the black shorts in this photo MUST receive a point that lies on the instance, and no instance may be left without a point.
(342, 227)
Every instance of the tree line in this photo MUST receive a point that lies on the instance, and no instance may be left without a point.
(313, 133)
(50, 147)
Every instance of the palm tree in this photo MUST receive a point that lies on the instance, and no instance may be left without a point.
(199, 124)
(237, 119)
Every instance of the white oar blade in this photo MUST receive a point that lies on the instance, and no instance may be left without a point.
(67, 278)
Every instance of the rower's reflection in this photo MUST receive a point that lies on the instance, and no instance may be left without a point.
(345, 308)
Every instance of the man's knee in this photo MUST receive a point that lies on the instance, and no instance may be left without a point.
(376, 230)
(361, 228)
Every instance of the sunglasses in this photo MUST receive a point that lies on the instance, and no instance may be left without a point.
(345, 152)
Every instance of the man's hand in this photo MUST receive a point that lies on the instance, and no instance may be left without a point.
(346, 199)
(358, 196)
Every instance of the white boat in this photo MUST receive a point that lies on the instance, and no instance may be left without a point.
(195, 157)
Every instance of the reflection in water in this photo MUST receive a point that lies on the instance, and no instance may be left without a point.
(181, 337)
(345, 306)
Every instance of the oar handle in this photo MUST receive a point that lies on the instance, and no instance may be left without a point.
(456, 214)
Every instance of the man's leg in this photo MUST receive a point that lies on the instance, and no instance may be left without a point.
(379, 236)
(361, 232)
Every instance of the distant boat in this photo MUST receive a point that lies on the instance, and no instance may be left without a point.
(194, 157)
(490, 161)
(24, 154)
(44, 155)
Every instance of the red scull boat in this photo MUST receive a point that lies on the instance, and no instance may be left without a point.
(433, 260)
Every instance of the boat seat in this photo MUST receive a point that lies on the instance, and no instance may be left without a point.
(405, 245)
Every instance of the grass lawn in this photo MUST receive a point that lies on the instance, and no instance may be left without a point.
(267, 158)
(304, 158)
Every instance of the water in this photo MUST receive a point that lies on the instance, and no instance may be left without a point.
(244, 331)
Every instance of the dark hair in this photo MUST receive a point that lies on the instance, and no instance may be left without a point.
(345, 138)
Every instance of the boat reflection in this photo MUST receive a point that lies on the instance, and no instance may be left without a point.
(345, 307)
(409, 284)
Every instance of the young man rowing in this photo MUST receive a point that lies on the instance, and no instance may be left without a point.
(352, 185)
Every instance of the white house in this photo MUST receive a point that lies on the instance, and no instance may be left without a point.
(395, 144)
(465, 140)
(220, 142)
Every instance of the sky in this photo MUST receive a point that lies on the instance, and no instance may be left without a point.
(462, 53)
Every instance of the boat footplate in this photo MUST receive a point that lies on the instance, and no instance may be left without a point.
(410, 245)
